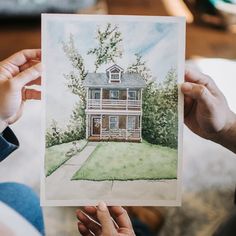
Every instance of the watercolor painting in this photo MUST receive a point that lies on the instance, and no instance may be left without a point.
(113, 110)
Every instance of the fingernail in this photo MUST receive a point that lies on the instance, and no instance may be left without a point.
(102, 206)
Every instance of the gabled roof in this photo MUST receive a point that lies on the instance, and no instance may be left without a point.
(115, 66)
(100, 80)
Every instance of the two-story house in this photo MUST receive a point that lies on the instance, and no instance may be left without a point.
(114, 105)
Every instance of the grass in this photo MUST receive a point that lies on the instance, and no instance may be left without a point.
(129, 161)
(57, 155)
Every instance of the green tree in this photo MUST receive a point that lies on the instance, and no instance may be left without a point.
(109, 45)
(140, 67)
(75, 78)
(160, 112)
(53, 135)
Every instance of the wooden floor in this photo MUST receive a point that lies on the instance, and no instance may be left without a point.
(201, 41)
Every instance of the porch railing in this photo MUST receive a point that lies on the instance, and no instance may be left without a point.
(111, 104)
(120, 133)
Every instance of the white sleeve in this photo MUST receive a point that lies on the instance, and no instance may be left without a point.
(13, 224)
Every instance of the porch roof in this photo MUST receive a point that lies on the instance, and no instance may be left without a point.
(100, 80)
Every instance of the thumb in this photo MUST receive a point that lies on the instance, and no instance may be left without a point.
(196, 91)
(104, 218)
(18, 114)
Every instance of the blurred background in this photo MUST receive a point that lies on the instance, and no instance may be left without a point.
(209, 175)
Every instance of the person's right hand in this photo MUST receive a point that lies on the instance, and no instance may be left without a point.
(206, 110)
(19, 70)
(120, 226)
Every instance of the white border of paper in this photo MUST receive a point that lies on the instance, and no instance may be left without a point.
(181, 66)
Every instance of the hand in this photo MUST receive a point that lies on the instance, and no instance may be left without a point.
(20, 70)
(206, 110)
(105, 226)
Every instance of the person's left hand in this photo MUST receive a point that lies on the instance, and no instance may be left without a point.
(99, 221)
(20, 70)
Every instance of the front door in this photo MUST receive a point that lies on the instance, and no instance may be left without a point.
(96, 125)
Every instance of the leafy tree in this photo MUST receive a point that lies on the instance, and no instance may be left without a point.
(108, 48)
(140, 67)
(75, 78)
(53, 135)
(77, 121)
(160, 112)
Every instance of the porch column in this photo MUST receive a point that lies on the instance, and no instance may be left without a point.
(126, 128)
(100, 126)
(101, 95)
(140, 127)
(87, 126)
(87, 93)
(140, 117)
(141, 99)
(127, 97)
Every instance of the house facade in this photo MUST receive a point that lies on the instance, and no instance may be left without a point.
(114, 105)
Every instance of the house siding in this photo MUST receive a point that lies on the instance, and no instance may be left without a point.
(104, 107)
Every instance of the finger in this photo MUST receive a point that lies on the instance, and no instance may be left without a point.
(17, 116)
(83, 230)
(104, 218)
(89, 223)
(29, 64)
(91, 211)
(197, 92)
(195, 76)
(188, 105)
(121, 217)
(29, 74)
(20, 58)
(35, 82)
(31, 94)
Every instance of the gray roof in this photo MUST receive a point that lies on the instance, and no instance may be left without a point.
(101, 80)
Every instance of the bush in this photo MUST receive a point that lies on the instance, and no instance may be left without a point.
(74, 131)
(160, 112)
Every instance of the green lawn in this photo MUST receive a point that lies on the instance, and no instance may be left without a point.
(56, 155)
(129, 161)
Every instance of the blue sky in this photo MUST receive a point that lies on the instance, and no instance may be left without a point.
(156, 40)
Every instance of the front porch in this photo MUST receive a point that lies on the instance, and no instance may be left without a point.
(113, 128)
(114, 99)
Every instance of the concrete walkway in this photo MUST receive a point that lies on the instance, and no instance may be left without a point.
(64, 173)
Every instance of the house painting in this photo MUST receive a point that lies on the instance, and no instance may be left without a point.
(114, 105)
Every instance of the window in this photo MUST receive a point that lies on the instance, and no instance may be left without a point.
(131, 122)
(113, 122)
(114, 94)
(95, 94)
(132, 95)
(115, 77)
(114, 73)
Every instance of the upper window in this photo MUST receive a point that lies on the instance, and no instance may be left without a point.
(115, 77)
(114, 73)
(95, 94)
(132, 95)
(114, 94)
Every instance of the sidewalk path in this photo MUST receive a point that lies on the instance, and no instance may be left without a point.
(65, 172)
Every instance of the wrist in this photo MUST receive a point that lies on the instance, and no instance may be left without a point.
(227, 136)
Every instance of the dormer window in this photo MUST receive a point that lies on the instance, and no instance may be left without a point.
(114, 74)
(115, 77)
